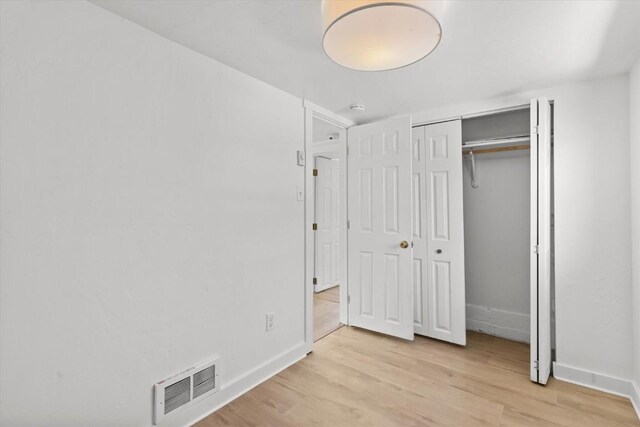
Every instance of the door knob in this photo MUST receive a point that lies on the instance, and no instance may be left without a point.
(438, 251)
(404, 244)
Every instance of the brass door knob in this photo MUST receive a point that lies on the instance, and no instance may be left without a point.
(404, 244)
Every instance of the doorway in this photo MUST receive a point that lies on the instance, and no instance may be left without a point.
(328, 241)
(326, 282)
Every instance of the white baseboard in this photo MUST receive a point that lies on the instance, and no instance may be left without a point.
(601, 382)
(237, 387)
(500, 323)
(635, 397)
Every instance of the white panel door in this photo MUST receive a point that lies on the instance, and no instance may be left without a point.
(540, 240)
(380, 261)
(446, 319)
(327, 262)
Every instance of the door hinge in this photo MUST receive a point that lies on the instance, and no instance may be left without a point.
(536, 249)
(535, 365)
(347, 150)
(315, 172)
(348, 299)
(348, 224)
(314, 226)
(315, 280)
(537, 129)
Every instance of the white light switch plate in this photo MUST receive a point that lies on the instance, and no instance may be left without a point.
(300, 193)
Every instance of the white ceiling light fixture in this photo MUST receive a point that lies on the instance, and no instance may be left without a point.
(378, 35)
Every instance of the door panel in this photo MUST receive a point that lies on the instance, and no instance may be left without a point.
(419, 203)
(540, 240)
(380, 271)
(327, 263)
(444, 244)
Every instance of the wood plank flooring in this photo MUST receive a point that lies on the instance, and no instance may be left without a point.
(331, 294)
(359, 378)
(326, 312)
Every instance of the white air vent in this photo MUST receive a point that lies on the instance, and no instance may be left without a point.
(182, 389)
(177, 395)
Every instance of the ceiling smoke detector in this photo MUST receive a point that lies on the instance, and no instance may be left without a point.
(357, 108)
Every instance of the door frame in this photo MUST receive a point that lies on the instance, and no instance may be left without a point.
(311, 150)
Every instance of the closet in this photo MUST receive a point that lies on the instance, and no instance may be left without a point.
(449, 228)
(496, 198)
(502, 244)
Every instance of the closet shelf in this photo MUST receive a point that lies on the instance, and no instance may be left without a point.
(497, 145)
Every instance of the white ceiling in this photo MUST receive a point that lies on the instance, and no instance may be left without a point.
(489, 48)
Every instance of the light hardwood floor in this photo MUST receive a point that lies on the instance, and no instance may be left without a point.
(359, 378)
(326, 312)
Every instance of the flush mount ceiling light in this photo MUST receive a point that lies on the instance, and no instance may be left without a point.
(377, 35)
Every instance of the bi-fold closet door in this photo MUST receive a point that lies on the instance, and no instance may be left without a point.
(540, 240)
(406, 231)
(438, 232)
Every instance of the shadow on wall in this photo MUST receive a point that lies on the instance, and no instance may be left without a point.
(624, 42)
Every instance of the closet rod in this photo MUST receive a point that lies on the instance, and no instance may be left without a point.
(497, 141)
(496, 149)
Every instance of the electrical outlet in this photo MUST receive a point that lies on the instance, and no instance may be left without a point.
(269, 321)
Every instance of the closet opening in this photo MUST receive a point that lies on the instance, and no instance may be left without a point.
(498, 218)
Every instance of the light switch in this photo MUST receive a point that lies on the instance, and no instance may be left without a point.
(300, 193)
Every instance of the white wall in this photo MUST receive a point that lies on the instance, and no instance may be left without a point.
(149, 218)
(497, 240)
(593, 270)
(634, 116)
(592, 240)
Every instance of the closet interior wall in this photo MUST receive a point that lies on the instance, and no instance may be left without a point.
(497, 229)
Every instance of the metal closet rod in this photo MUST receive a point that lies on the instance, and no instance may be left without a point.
(496, 141)
(497, 149)
(497, 145)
